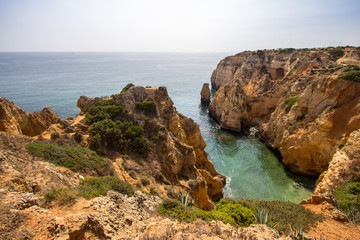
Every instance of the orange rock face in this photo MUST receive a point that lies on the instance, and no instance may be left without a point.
(180, 154)
(295, 99)
(13, 119)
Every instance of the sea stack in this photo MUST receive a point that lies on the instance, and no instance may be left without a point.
(205, 93)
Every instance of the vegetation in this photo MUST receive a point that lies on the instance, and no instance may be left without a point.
(101, 110)
(120, 135)
(154, 191)
(290, 102)
(106, 131)
(62, 196)
(144, 181)
(348, 199)
(351, 75)
(291, 72)
(89, 188)
(285, 214)
(260, 52)
(336, 53)
(127, 87)
(262, 217)
(95, 186)
(148, 107)
(77, 159)
(228, 211)
(286, 50)
(186, 200)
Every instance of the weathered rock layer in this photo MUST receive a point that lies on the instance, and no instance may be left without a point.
(13, 119)
(294, 97)
(180, 155)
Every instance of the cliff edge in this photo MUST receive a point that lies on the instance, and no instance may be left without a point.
(302, 100)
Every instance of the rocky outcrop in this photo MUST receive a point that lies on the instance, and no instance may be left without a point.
(295, 99)
(344, 166)
(13, 119)
(179, 156)
(114, 216)
(24, 173)
(205, 93)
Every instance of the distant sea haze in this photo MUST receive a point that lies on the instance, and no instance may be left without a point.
(37, 80)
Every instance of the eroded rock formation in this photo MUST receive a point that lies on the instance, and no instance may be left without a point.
(205, 93)
(180, 155)
(295, 99)
(13, 119)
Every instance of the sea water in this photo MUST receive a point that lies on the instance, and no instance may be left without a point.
(36, 80)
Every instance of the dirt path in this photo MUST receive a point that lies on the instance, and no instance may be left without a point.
(330, 228)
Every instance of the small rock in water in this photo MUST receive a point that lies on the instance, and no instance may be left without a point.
(205, 93)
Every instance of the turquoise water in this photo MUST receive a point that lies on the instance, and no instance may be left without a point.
(36, 80)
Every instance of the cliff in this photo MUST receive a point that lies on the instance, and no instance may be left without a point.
(13, 119)
(179, 156)
(175, 161)
(294, 97)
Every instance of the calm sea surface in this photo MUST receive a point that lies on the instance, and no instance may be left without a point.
(36, 80)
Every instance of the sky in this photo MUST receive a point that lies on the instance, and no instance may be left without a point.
(176, 26)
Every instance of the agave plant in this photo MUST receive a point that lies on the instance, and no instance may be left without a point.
(262, 217)
(186, 200)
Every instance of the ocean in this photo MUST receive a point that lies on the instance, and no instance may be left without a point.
(36, 80)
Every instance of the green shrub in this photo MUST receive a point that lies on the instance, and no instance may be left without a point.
(77, 159)
(286, 50)
(175, 210)
(348, 199)
(120, 135)
(144, 181)
(153, 191)
(62, 196)
(132, 174)
(290, 102)
(101, 110)
(285, 214)
(148, 107)
(95, 186)
(352, 75)
(228, 211)
(336, 52)
(127, 87)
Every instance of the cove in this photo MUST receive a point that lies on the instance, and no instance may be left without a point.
(36, 80)
(252, 170)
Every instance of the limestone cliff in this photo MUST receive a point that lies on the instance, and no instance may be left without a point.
(294, 97)
(344, 166)
(179, 156)
(14, 119)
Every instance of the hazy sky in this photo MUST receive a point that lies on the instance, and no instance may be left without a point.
(176, 26)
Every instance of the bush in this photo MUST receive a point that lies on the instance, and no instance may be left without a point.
(101, 110)
(62, 196)
(352, 75)
(153, 191)
(290, 102)
(127, 87)
(228, 211)
(120, 135)
(348, 199)
(336, 52)
(144, 181)
(285, 214)
(95, 186)
(77, 159)
(148, 107)
(175, 210)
